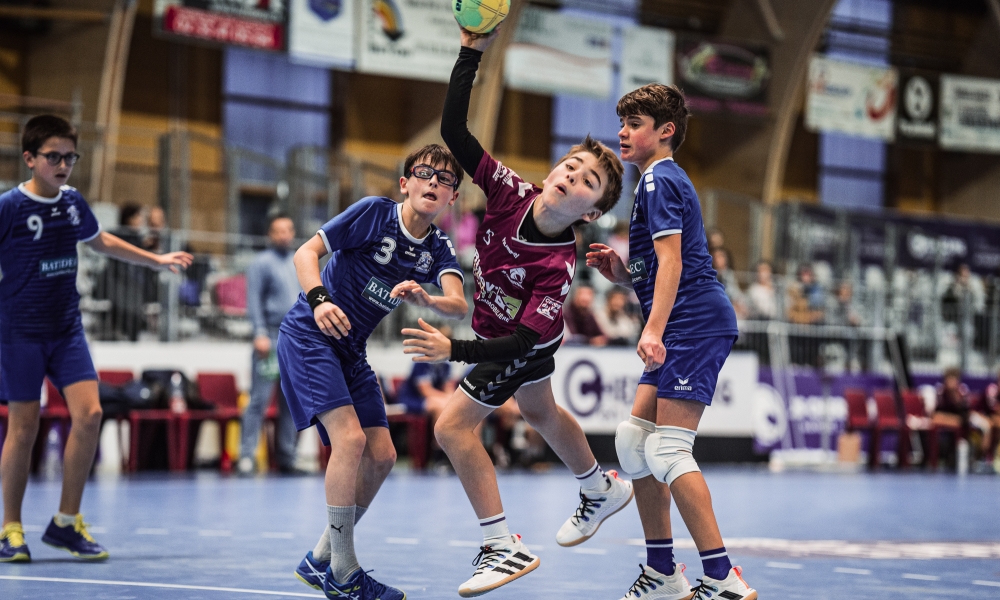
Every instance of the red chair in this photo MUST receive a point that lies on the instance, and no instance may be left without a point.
(55, 413)
(417, 426)
(219, 389)
(137, 418)
(115, 377)
(887, 420)
(231, 295)
(858, 419)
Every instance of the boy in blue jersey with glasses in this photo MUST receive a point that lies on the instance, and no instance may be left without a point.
(690, 329)
(381, 253)
(41, 333)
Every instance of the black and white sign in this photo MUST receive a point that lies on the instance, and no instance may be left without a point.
(918, 110)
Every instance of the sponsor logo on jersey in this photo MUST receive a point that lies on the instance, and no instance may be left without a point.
(488, 237)
(516, 276)
(637, 269)
(550, 308)
(505, 307)
(54, 267)
(683, 387)
(512, 305)
(380, 294)
(424, 262)
(74, 215)
(523, 188)
(512, 253)
(503, 174)
(565, 289)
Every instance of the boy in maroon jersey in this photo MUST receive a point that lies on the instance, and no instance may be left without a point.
(524, 266)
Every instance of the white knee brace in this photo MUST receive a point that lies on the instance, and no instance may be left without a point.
(668, 453)
(630, 442)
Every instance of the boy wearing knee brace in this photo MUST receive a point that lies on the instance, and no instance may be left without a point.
(690, 329)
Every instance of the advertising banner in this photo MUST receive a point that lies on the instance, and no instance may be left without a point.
(722, 76)
(970, 113)
(321, 32)
(415, 39)
(853, 99)
(918, 107)
(247, 23)
(598, 387)
(553, 53)
(647, 57)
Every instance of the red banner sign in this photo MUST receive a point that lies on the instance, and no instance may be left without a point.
(212, 26)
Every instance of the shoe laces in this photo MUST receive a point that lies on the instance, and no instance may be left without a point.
(487, 557)
(587, 506)
(370, 588)
(704, 590)
(14, 534)
(80, 527)
(644, 583)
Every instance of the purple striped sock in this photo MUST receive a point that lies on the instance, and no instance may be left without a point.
(716, 563)
(660, 555)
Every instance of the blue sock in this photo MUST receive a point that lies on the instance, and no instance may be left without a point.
(716, 563)
(660, 555)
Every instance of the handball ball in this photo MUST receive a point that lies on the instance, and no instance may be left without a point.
(480, 16)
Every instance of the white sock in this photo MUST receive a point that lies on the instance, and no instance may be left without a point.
(343, 561)
(64, 520)
(322, 550)
(594, 481)
(495, 530)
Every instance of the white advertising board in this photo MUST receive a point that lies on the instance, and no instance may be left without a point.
(415, 39)
(321, 32)
(970, 113)
(853, 99)
(553, 53)
(647, 57)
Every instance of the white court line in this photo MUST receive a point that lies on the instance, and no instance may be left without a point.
(98, 529)
(402, 541)
(278, 535)
(987, 583)
(32, 528)
(463, 544)
(171, 586)
(921, 577)
(783, 565)
(534, 548)
(152, 531)
(850, 571)
(215, 533)
(598, 551)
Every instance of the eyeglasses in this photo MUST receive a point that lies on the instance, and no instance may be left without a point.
(54, 158)
(444, 177)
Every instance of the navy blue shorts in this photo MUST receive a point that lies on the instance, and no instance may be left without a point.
(691, 370)
(317, 376)
(23, 366)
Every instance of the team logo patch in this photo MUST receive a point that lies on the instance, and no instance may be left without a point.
(550, 308)
(74, 215)
(424, 262)
(516, 276)
(637, 269)
(379, 293)
(54, 267)
(512, 304)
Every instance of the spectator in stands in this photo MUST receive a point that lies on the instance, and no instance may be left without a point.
(991, 407)
(805, 299)
(128, 314)
(428, 387)
(463, 231)
(763, 302)
(843, 309)
(156, 221)
(618, 240)
(620, 326)
(721, 263)
(957, 407)
(272, 289)
(715, 239)
(580, 320)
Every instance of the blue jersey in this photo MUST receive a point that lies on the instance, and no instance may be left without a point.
(666, 204)
(371, 251)
(38, 261)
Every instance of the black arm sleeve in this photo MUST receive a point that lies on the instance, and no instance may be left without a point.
(499, 349)
(455, 117)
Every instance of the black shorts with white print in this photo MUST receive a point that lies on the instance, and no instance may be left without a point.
(493, 383)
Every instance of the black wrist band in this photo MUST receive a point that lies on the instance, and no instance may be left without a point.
(318, 295)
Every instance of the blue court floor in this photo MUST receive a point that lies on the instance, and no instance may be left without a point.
(798, 535)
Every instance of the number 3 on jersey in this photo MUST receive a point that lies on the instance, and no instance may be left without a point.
(384, 254)
(35, 224)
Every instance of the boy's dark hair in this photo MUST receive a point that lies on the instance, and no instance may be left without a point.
(434, 154)
(608, 161)
(41, 128)
(664, 103)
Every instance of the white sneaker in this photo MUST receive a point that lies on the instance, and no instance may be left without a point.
(499, 565)
(593, 510)
(245, 466)
(656, 586)
(731, 588)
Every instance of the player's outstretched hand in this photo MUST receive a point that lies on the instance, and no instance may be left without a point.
(331, 320)
(478, 41)
(410, 291)
(651, 351)
(608, 263)
(174, 261)
(429, 344)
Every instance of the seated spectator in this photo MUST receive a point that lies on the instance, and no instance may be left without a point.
(721, 263)
(843, 310)
(428, 388)
(958, 408)
(621, 327)
(991, 407)
(580, 320)
(805, 299)
(763, 302)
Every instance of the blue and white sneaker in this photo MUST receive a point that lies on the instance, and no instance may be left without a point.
(74, 539)
(359, 586)
(312, 572)
(12, 545)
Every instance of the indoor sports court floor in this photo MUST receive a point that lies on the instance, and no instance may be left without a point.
(798, 535)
